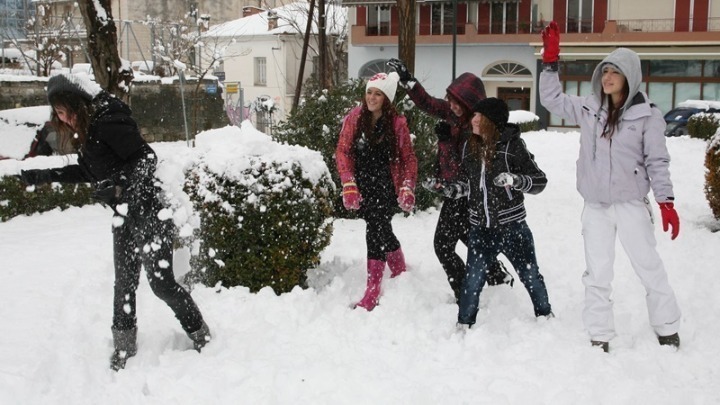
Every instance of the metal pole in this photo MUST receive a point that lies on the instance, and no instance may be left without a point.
(454, 40)
(182, 96)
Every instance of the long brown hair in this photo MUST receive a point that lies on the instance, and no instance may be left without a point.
(78, 106)
(483, 145)
(614, 111)
(385, 122)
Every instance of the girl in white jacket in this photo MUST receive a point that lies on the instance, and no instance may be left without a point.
(622, 156)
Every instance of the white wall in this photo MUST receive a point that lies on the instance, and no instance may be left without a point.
(282, 64)
(433, 64)
(641, 9)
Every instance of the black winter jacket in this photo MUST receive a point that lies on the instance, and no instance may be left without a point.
(113, 149)
(491, 205)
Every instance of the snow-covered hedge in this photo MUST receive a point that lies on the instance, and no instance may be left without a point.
(703, 125)
(712, 177)
(264, 210)
(17, 199)
(254, 212)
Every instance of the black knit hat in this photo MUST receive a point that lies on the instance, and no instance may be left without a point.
(73, 84)
(495, 110)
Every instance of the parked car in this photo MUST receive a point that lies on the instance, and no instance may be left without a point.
(677, 118)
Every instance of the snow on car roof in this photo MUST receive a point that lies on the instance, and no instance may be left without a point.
(701, 104)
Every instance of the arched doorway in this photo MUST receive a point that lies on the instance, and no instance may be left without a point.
(513, 82)
(374, 67)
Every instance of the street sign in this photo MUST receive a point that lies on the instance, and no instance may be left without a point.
(231, 88)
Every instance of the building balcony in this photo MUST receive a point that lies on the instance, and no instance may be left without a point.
(579, 31)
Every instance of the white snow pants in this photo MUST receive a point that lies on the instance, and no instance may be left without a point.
(633, 224)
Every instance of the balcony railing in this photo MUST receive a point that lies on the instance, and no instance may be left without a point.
(516, 27)
(664, 25)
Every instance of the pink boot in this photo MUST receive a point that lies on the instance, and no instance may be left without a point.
(396, 262)
(372, 292)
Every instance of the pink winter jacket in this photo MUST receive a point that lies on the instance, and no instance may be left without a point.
(403, 168)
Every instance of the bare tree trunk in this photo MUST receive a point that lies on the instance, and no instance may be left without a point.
(102, 44)
(406, 35)
(303, 57)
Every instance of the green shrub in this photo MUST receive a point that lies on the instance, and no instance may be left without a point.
(317, 122)
(264, 229)
(712, 177)
(16, 200)
(702, 126)
(528, 126)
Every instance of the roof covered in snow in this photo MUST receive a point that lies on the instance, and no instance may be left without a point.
(291, 19)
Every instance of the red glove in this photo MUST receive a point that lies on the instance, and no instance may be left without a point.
(551, 43)
(670, 217)
(351, 196)
(406, 199)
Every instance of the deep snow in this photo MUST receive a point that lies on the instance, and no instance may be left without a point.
(308, 346)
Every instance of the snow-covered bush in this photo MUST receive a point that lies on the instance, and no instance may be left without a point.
(526, 120)
(712, 177)
(265, 211)
(703, 125)
(17, 199)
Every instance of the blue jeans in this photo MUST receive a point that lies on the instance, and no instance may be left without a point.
(515, 241)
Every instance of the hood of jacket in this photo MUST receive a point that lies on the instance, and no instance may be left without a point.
(628, 62)
(467, 89)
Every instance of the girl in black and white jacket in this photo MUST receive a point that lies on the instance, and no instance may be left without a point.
(499, 170)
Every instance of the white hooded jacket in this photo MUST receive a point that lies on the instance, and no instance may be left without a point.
(624, 167)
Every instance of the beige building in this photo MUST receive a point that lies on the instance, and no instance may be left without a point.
(499, 41)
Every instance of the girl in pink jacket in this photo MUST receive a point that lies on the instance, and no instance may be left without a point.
(378, 170)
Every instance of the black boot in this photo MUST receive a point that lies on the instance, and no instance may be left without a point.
(497, 274)
(200, 337)
(605, 346)
(670, 340)
(125, 342)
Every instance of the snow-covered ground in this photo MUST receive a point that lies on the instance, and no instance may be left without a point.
(309, 347)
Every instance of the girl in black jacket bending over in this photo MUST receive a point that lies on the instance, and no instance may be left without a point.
(499, 170)
(113, 156)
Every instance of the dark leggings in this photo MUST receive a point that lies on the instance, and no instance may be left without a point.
(452, 227)
(144, 241)
(379, 237)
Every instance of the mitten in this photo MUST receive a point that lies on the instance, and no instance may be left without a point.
(433, 184)
(508, 180)
(351, 196)
(551, 43)
(406, 199)
(107, 192)
(35, 176)
(456, 190)
(670, 217)
(401, 69)
(443, 131)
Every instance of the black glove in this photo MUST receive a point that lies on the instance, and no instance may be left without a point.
(35, 176)
(442, 130)
(401, 69)
(107, 192)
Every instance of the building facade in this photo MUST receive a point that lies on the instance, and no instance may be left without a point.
(499, 41)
